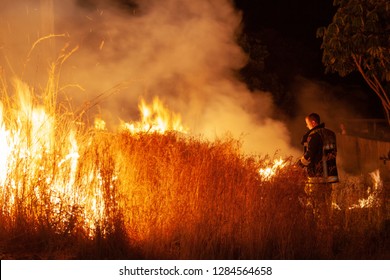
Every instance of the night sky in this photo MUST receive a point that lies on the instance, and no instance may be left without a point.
(294, 21)
(299, 17)
(288, 29)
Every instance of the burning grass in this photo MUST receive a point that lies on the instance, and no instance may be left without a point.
(68, 191)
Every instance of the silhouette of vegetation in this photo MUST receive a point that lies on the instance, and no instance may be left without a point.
(357, 39)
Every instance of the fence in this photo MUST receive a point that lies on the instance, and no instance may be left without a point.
(367, 128)
(359, 155)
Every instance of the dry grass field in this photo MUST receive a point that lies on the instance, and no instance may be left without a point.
(69, 191)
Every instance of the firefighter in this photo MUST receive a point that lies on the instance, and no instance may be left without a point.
(319, 160)
(319, 152)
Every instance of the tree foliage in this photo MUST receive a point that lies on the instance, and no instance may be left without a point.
(358, 39)
(258, 74)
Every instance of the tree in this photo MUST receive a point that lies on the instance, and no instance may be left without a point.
(257, 53)
(358, 39)
(257, 74)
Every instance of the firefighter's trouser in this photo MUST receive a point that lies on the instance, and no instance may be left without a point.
(319, 214)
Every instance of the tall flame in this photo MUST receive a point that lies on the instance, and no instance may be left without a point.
(39, 161)
(157, 118)
(41, 165)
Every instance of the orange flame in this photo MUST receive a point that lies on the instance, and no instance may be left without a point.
(40, 160)
(373, 198)
(29, 146)
(155, 118)
(268, 172)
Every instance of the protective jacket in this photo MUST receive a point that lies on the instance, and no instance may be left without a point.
(319, 155)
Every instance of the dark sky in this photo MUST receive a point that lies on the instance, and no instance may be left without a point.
(293, 23)
(288, 30)
(298, 18)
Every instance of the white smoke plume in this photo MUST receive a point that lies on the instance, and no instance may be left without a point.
(184, 52)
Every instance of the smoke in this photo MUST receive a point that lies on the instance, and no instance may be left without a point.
(332, 103)
(184, 52)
